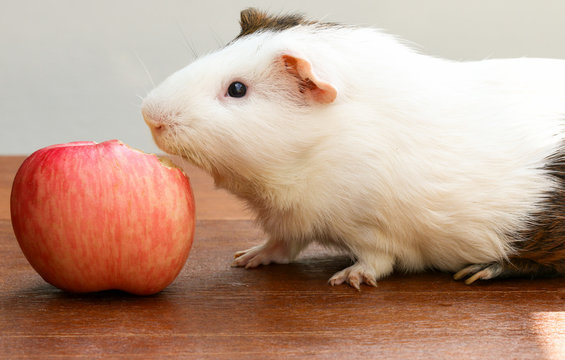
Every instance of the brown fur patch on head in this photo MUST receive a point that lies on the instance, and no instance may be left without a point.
(253, 20)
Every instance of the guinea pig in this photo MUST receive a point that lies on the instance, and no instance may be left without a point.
(345, 136)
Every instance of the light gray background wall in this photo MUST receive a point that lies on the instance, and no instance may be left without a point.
(76, 69)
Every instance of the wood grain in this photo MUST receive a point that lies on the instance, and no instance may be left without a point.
(213, 311)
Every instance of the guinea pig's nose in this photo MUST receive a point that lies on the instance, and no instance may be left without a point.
(154, 122)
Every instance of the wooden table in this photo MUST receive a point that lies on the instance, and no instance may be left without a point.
(213, 311)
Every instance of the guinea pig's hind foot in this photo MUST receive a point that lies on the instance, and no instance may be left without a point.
(480, 271)
(516, 267)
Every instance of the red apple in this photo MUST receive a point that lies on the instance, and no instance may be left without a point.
(91, 217)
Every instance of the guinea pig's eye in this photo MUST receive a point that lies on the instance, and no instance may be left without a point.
(237, 89)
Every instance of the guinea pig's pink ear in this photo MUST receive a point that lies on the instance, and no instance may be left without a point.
(308, 83)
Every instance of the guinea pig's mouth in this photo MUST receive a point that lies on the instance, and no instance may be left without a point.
(162, 123)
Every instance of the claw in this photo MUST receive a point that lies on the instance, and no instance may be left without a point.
(354, 281)
(467, 270)
(239, 253)
(479, 271)
(370, 281)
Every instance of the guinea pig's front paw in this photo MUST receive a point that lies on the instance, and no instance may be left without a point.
(355, 275)
(370, 267)
(269, 252)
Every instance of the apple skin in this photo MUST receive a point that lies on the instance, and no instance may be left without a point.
(91, 217)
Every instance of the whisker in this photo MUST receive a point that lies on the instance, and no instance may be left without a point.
(137, 105)
(217, 38)
(187, 42)
(145, 69)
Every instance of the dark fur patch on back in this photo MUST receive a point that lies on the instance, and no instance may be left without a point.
(253, 20)
(544, 242)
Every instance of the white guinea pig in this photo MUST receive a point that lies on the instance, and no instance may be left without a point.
(345, 136)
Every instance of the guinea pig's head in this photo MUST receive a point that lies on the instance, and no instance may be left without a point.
(258, 102)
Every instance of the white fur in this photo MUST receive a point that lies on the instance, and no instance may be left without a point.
(419, 162)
